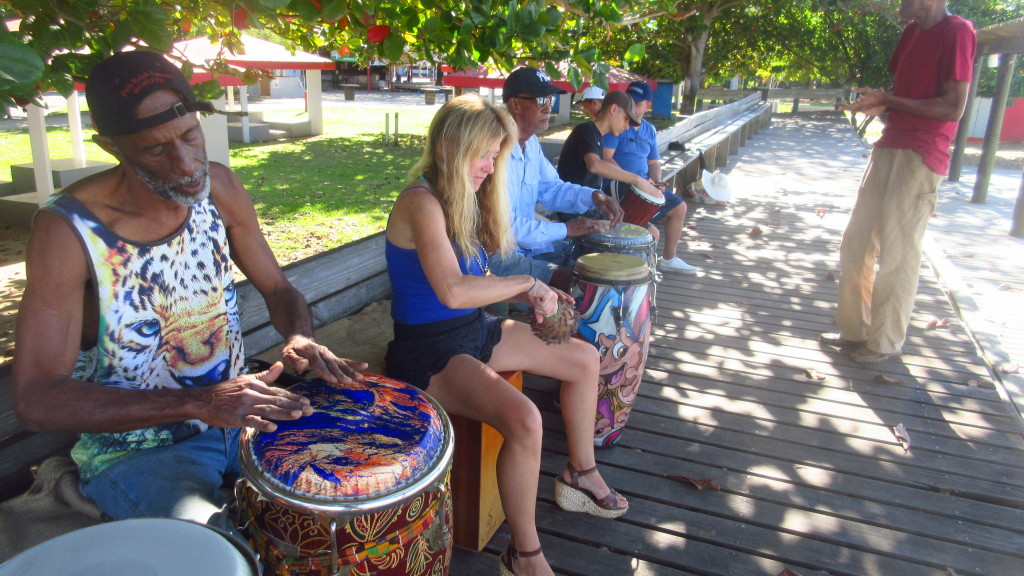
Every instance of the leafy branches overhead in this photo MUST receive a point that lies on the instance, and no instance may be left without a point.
(55, 42)
(59, 40)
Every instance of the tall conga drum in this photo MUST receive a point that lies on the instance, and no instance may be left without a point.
(616, 305)
(625, 238)
(358, 487)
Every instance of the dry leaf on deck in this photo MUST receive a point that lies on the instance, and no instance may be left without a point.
(831, 277)
(813, 374)
(902, 436)
(755, 232)
(701, 484)
(883, 379)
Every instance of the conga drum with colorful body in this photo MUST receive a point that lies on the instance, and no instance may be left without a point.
(625, 238)
(359, 487)
(616, 305)
(639, 207)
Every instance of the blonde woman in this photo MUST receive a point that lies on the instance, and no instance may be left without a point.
(439, 233)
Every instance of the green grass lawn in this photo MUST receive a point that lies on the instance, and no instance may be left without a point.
(311, 194)
(317, 193)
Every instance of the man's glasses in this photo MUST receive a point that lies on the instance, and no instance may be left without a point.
(542, 101)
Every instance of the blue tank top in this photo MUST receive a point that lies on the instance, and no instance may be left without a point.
(413, 300)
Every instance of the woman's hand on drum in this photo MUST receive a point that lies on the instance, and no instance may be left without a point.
(610, 206)
(301, 353)
(248, 400)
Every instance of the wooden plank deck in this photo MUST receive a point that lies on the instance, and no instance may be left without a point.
(812, 476)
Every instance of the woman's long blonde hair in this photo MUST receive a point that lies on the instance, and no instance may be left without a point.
(463, 129)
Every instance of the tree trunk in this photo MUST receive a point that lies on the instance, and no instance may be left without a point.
(694, 73)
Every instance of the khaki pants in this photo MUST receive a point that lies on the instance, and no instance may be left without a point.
(897, 196)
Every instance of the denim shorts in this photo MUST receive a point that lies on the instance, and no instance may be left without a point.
(183, 480)
(421, 350)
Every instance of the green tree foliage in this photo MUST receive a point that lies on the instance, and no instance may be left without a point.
(60, 40)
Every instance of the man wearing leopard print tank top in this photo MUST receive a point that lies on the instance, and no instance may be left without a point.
(128, 331)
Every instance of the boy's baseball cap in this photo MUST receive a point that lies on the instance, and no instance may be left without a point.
(592, 93)
(640, 91)
(118, 85)
(527, 80)
(620, 99)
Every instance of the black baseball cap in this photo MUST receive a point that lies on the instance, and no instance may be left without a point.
(117, 85)
(527, 80)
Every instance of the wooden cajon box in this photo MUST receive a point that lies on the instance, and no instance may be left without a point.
(477, 507)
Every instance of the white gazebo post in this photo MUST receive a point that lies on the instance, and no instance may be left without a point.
(314, 95)
(40, 153)
(215, 131)
(75, 125)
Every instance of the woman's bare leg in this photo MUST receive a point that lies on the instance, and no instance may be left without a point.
(577, 365)
(469, 388)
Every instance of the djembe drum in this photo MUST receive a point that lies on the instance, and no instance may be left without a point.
(616, 308)
(358, 487)
(639, 207)
(625, 238)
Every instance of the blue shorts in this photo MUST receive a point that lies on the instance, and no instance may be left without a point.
(421, 350)
(671, 201)
(183, 480)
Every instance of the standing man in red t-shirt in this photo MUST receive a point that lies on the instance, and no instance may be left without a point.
(932, 64)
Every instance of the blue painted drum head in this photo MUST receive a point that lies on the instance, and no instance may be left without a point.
(376, 440)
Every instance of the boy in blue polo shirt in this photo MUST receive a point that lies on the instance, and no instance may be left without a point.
(636, 150)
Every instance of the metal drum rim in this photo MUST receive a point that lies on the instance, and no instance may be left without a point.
(253, 473)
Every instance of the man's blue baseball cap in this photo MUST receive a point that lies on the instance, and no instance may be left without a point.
(640, 91)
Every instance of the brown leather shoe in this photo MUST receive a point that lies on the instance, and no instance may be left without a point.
(834, 339)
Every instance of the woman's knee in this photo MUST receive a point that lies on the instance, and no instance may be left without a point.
(522, 424)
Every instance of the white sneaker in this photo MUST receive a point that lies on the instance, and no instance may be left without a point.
(677, 265)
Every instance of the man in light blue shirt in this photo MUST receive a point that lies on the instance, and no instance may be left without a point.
(636, 150)
(529, 95)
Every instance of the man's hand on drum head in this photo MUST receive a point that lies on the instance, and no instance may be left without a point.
(582, 226)
(544, 300)
(249, 400)
(610, 206)
(301, 353)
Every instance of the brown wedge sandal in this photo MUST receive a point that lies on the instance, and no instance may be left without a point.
(572, 498)
(510, 554)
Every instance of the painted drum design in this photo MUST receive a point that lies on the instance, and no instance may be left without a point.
(616, 311)
(358, 487)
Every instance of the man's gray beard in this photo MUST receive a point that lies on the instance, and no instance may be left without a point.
(169, 190)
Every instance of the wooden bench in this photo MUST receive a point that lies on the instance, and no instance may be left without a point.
(718, 133)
